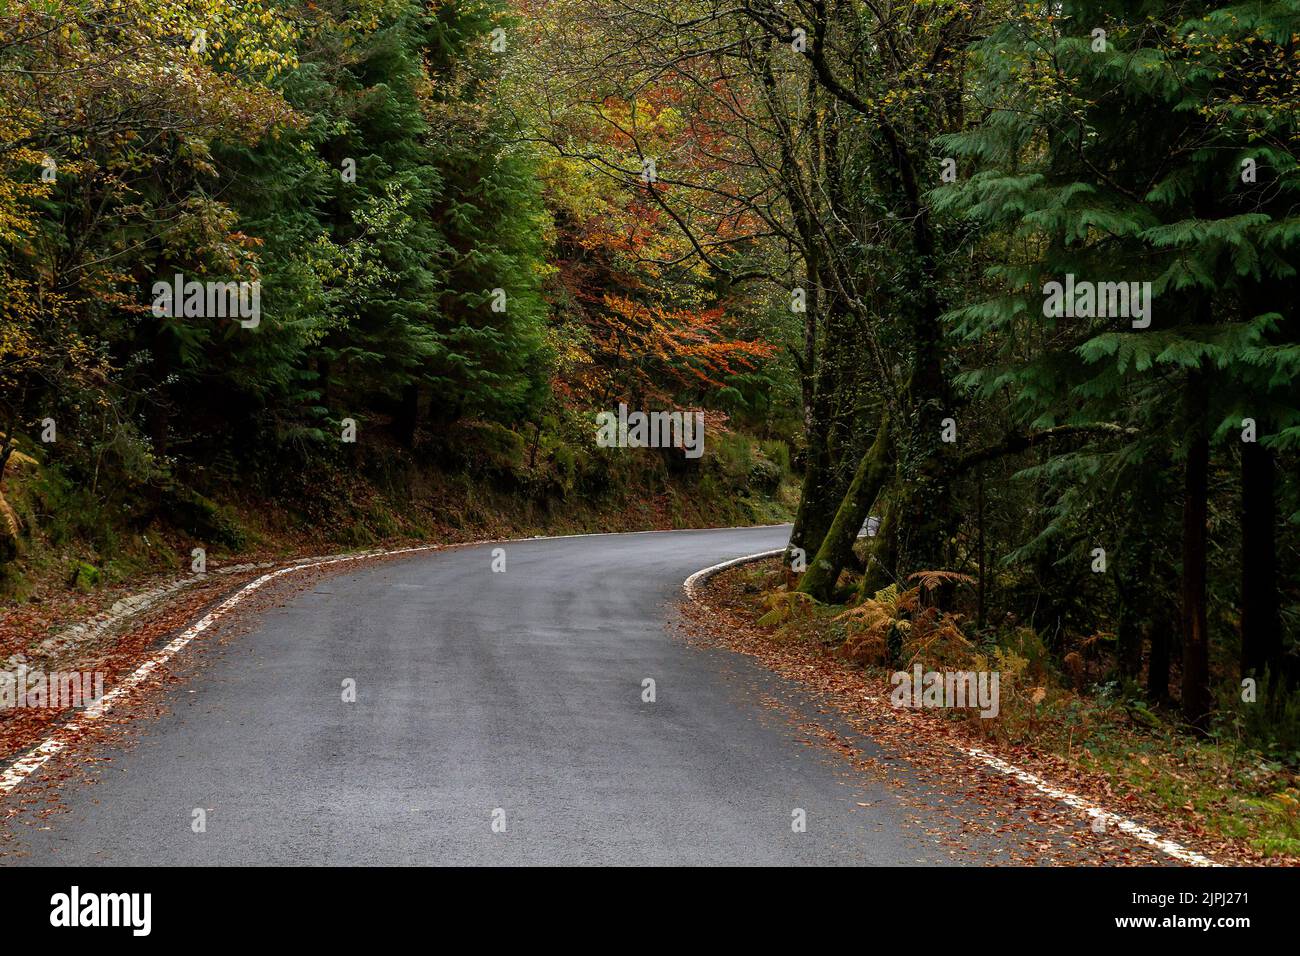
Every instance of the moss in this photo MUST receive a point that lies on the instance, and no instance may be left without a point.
(86, 577)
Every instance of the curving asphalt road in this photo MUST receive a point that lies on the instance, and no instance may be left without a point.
(477, 692)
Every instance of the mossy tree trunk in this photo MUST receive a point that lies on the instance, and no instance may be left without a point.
(836, 547)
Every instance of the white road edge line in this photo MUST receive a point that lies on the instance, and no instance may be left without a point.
(25, 766)
(692, 584)
(33, 760)
(1176, 850)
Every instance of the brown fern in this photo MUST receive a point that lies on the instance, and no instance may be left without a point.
(929, 580)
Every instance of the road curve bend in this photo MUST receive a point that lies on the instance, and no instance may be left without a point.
(499, 718)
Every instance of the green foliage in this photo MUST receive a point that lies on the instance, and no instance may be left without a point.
(1124, 165)
(353, 160)
(85, 577)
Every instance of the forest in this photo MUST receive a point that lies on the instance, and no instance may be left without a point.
(1013, 284)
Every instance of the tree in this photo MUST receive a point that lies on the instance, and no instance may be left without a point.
(1118, 157)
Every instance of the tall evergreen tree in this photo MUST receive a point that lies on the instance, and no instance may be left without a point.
(1141, 142)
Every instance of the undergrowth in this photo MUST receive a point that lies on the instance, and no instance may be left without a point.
(1240, 782)
(475, 479)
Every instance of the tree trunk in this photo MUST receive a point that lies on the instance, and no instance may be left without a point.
(1134, 615)
(813, 516)
(1196, 644)
(159, 411)
(882, 553)
(1158, 666)
(1134, 566)
(532, 452)
(824, 483)
(1261, 628)
(824, 570)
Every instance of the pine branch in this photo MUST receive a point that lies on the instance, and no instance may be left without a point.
(1022, 441)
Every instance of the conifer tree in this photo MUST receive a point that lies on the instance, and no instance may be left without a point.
(1143, 143)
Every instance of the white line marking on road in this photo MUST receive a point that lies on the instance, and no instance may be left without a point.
(25, 766)
(692, 584)
(1179, 852)
(29, 763)
(1135, 830)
